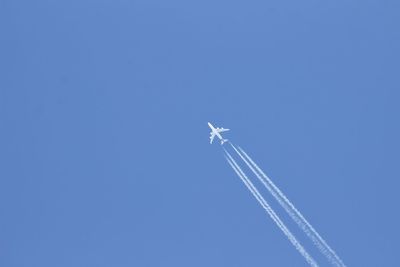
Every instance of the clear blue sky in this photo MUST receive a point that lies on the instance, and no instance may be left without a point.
(104, 150)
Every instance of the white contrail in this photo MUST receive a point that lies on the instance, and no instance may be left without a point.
(319, 242)
(269, 210)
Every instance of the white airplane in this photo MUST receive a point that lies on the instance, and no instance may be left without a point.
(216, 132)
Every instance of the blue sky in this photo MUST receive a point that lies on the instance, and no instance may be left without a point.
(104, 147)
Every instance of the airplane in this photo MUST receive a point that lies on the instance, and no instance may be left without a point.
(217, 132)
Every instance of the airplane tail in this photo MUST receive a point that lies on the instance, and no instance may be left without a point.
(223, 141)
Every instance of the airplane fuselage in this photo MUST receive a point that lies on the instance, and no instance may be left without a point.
(215, 131)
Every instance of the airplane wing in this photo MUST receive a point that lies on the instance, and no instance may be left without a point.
(220, 130)
(212, 137)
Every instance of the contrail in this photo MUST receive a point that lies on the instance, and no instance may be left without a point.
(307, 228)
(269, 210)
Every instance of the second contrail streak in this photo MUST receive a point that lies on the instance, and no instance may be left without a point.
(269, 210)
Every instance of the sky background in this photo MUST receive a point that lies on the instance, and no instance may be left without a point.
(104, 145)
